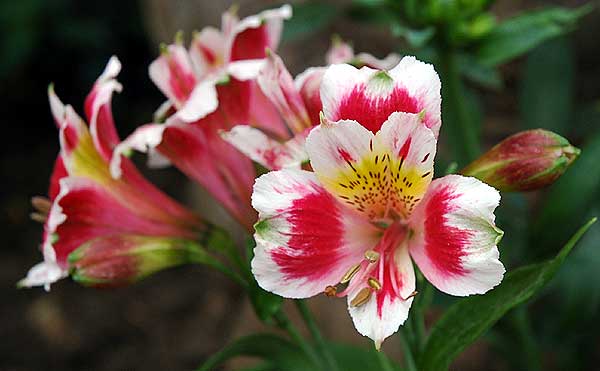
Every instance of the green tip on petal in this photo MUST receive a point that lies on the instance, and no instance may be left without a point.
(164, 49)
(179, 37)
(226, 79)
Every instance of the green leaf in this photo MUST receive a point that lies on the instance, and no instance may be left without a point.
(522, 33)
(469, 318)
(280, 354)
(415, 38)
(269, 347)
(308, 18)
(351, 358)
(546, 97)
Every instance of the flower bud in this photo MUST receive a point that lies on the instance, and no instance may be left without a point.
(525, 161)
(119, 260)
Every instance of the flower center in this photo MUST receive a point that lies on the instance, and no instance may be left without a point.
(377, 273)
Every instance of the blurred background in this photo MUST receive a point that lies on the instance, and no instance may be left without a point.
(175, 319)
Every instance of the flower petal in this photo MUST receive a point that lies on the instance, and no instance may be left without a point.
(201, 102)
(369, 96)
(98, 109)
(305, 239)
(173, 73)
(308, 84)
(252, 35)
(277, 84)
(207, 51)
(388, 307)
(412, 149)
(268, 152)
(454, 240)
(374, 174)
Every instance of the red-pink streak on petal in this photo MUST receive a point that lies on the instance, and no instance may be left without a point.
(372, 111)
(444, 243)
(250, 44)
(315, 239)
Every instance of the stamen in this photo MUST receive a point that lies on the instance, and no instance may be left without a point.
(413, 294)
(362, 297)
(38, 217)
(41, 204)
(350, 273)
(371, 256)
(330, 291)
(374, 283)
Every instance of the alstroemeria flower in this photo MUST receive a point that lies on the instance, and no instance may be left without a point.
(212, 87)
(351, 227)
(87, 203)
(299, 103)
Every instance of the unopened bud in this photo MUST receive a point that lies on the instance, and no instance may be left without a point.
(123, 259)
(525, 161)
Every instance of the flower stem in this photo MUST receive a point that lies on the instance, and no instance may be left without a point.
(409, 359)
(531, 352)
(464, 130)
(384, 362)
(284, 323)
(316, 334)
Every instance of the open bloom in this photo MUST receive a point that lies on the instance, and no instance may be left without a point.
(354, 226)
(211, 87)
(86, 204)
(299, 103)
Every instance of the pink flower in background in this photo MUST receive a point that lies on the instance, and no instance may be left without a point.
(351, 227)
(86, 203)
(299, 103)
(212, 87)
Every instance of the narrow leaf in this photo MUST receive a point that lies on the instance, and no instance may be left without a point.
(272, 348)
(522, 33)
(468, 319)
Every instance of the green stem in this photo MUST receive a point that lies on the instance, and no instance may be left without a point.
(463, 130)
(316, 334)
(418, 317)
(531, 353)
(200, 258)
(384, 362)
(283, 322)
(409, 359)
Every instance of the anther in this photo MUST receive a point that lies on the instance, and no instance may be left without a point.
(362, 297)
(330, 291)
(350, 273)
(41, 204)
(374, 283)
(371, 256)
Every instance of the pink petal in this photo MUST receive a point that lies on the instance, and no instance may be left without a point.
(308, 84)
(278, 85)
(58, 172)
(339, 52)
(98, 109)
(387, 309)
(252, 35)
(268, 152)
(207, 51)
(201, 102)
(85, 210)
(412, 148)
(369, 96)
(454, 240)
(174, 75)
(306, 240)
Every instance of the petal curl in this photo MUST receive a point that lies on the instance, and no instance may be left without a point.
(174, 74)
(454, 240)
(306, 240)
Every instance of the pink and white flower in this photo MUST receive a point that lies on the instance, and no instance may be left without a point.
(299, 103)
(86, 203)
(211, 87)
(351, 227)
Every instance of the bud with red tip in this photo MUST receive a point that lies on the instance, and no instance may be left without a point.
(123, 259)
(525, 161)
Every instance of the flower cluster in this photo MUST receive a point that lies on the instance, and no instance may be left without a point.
(347, 204)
